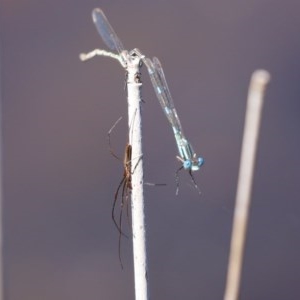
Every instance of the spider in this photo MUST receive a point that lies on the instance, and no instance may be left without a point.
(125, 185)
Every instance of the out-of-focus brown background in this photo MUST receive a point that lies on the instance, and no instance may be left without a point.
(60, 180)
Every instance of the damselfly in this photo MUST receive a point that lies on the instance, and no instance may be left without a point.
(187, 156)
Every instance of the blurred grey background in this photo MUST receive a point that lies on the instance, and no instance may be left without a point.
(60, 179)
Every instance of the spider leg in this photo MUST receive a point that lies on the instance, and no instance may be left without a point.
(109, 142)
(124, 191)
(137, 163)
(114, 207)
(128, 190)
(124, 188)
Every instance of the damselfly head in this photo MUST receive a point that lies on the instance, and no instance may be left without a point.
(197, 163)
(194, 164)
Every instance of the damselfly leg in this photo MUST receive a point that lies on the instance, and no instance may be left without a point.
(192, 178)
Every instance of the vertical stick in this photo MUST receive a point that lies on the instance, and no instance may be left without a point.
(258, 83)
(1, 192)
(137, 196)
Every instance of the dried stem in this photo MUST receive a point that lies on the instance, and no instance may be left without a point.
(259, 80)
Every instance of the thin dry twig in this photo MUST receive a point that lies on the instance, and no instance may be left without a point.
(259, 80)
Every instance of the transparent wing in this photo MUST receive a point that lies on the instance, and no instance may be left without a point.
(158, 79)
(162, 92)
(161, 75)
(105, 30)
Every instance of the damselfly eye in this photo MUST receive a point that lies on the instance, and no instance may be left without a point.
(200, 161)
(187, 164)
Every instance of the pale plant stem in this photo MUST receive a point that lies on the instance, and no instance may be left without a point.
(2, 292)
(99, 52)
(259, 80)
(134, 86)
(137, 195)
